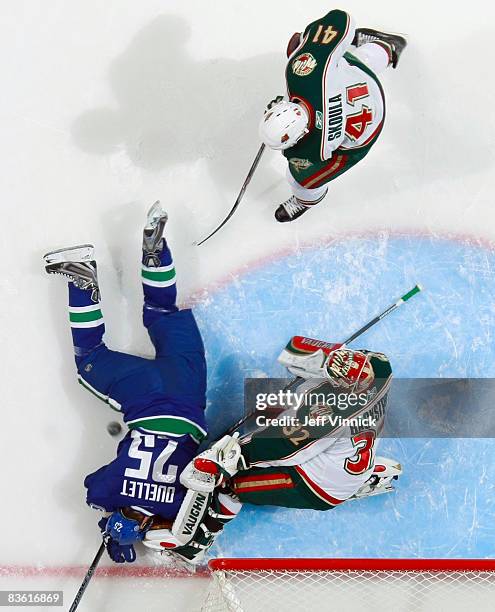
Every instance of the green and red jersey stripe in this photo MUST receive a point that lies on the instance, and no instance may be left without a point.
(263, 482)
(336, 164)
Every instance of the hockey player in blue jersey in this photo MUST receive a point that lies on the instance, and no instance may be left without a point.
(162, 400)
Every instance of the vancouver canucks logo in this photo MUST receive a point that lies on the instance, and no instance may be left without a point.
(304, 64)
(300, 164)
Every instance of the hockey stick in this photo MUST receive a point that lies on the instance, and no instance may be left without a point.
(87, 578)
(407, 296)
(402, 300)
(240, 196)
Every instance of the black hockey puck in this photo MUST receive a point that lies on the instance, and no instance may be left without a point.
(114, 428)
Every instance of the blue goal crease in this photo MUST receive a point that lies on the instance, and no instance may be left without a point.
(444, 504)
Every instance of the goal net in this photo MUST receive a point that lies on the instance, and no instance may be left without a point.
(341, 585)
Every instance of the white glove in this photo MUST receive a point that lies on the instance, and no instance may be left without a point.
(305, 366)
(194, 479)
(209, 468)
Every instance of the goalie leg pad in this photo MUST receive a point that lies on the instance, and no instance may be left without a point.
(190, 515)
(222, 510)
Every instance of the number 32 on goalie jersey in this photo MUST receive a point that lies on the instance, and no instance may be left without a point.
(357, 123)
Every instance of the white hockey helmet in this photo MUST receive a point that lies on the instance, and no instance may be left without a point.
(283, 125)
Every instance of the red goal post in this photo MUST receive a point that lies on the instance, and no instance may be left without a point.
(380, 585)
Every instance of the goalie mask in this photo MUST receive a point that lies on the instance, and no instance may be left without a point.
(283, 125)
(349, 369)
(344, 367)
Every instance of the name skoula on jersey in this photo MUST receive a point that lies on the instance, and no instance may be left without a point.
(342, 97)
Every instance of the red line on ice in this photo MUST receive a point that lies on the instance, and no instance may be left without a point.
(110, 571)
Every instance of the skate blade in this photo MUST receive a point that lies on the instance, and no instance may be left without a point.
(155, 214)
(79, 253)
(371, 31)
(376, 491)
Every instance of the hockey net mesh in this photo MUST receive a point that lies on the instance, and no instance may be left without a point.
(381, 590)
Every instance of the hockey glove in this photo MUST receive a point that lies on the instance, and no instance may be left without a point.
(211, 467)
(273, 102)
(120, 553)
(119, 534)
(294, 43)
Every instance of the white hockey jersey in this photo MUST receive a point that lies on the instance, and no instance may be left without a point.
(341, 95)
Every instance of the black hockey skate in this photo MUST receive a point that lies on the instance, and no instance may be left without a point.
(153, 234)
(290, 210)
(394, 43)
(78, 265)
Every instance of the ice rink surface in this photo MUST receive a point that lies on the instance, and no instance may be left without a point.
(109, 106)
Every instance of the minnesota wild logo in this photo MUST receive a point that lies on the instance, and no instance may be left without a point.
(321, 412)
(304, 64)
(300, 164)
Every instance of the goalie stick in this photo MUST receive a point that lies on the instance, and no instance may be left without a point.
(402, 300)
(239, 197)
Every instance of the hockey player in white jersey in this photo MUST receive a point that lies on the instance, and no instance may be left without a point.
(316, 462)
(335, 105)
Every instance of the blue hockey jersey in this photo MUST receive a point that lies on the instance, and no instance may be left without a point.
(144, 475)
(162, 401)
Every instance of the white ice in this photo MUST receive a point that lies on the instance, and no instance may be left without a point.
(107, 106)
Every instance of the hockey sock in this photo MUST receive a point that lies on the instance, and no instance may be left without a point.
(86, 322)
(160, 291)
